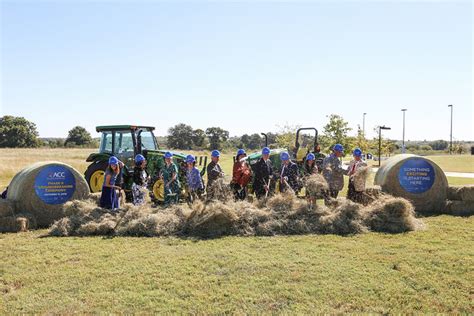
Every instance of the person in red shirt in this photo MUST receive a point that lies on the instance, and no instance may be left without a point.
(241, 175)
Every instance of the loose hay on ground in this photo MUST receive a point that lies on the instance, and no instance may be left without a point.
(284, 214)
(392, 215)
(461, 193)
(13, 224)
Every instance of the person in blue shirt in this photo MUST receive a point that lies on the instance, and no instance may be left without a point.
(194, 179)
(109, 198)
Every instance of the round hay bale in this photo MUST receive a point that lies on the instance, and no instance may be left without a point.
(416, 179)
(42, 188)
(7, 208)
(13, 224)
(460, 208)
(461, 193)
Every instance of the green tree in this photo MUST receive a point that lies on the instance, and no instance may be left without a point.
(180, 136)
(335, 132)
(17, 132)
(217, 137)
(439, 145)
(199, 138)
(286, 136)
(255, 141)
(78, 136)
(361, 142)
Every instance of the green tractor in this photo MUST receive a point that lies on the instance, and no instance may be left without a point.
(298, 153)
(124, 142)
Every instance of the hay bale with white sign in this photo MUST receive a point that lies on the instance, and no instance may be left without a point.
(42, 188)
(416, 179)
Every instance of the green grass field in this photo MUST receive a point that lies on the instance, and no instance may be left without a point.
(428, 271)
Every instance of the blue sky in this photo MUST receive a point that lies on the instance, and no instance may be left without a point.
(244, 66)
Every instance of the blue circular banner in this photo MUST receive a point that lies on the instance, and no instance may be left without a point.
(416, 176)
(55, 184)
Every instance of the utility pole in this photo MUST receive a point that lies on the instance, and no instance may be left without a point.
(451, 134)
(363, 124)
(403, 141)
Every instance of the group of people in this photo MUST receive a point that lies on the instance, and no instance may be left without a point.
(265, 179)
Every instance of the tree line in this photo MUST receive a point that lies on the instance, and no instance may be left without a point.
(17, 132)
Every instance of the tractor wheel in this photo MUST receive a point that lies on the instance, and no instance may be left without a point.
(95, 176)
(158, 190)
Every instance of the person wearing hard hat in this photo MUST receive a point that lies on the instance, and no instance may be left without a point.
(140, 180)
(263, 175)
(171, 180)
(241, 175)
(194, 179)
(109, 197)
(319, 157)
(289, 175)
(333, 172)
(214, 173)
(356, 179)
(310, 166)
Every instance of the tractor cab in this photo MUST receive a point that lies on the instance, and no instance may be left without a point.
(126, 141)
(305, 144)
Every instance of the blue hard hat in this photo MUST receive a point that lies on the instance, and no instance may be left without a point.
(357, 152)
(168, 155)
(113, 160)
(190, 159)
(338, 147)
(215, 153)
(266, 151)
(310, 156)
(240, 152)
(284, 156)
(139, 159)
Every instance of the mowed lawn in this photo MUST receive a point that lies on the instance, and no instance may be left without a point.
(425, 271)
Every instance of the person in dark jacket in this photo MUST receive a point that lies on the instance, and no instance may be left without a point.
(310, 166)
(289, 175)
(214, 173)
(241, 175)
(263, 175)
(140, 180)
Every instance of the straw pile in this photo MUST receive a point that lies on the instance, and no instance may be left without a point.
(7, 208)
(316, 185)
(461, 193)
(22, 190)
(432, 200)
(13, 224)
(283, 214)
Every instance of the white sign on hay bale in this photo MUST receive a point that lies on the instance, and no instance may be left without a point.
(416, 179)
(42, 188)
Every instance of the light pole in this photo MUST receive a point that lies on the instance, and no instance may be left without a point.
(451, 134)
(403, 140)
(363, 124)
(380, 141)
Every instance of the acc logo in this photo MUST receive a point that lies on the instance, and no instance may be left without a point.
(57, 175)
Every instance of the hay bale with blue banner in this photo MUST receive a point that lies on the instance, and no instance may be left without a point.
(42, 189)
(416, 179)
